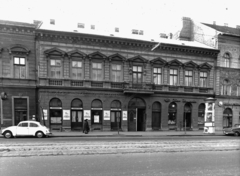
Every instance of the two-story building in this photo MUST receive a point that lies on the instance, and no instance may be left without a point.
(141, 84)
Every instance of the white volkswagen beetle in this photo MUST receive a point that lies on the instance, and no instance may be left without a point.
(26, 128)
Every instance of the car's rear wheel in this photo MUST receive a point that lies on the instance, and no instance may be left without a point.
(39, 134)
(8, 134)
(236, 134)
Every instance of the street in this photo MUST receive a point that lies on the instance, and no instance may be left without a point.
(195, 155)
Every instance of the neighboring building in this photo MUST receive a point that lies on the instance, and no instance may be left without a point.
(102, 77)
(17, 72)
(227, 84)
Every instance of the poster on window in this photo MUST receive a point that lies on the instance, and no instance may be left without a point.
(87, 114)
(124, 115)
(45, 114)
(106, 115)
(66, 114)
(96, 118)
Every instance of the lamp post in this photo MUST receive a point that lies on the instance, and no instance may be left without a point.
(3, 97)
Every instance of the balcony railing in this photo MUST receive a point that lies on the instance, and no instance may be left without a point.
(188, 89)
(116, 85)
(55, 82)
(77, 83)
(97, 84)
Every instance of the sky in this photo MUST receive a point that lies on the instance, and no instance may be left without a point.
(163, 16)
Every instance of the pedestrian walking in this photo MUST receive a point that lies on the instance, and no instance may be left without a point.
(85, 126)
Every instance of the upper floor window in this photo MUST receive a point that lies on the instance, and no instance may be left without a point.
(137, 74)
(19, 67)
(188, 78)
(116, 73)
(226, 88)
(203, 79)
(173, 76)
(77, 72)
(157, 75)
(55, 68)
(97, 72)
(226, 60)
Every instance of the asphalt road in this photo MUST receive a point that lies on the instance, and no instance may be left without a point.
(205, 163)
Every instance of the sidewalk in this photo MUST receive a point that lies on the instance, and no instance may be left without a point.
(132, 134)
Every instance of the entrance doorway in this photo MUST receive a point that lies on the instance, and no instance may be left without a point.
(76, 115)
(187, 116)
(227, 118)
(137, 115)
(116, 115)
(20, 110)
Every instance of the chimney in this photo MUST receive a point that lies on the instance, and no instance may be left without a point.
(214, 22)
(238, 26)
(52, 21)
(225, 24)
(37, 23)
(162, 35)
(170, 35)
(186, 32)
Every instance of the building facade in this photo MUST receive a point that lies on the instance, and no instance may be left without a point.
(118, 82)
(227, 83)
(17, 72)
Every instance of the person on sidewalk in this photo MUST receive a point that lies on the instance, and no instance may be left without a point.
(85, 126)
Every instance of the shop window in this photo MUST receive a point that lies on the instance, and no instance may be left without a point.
(116, 115)
(226, 88)
(137, 74)
(227, 117)
(188, 78)
(19, 67)
(203, 79)
(116, 73)
(97, 72)
(96, 117)
(201, 113)
(77, 71)
(173, 77)
(157, 76)
(226, 57)
(172, 114)
(55, 111)
(55, 68)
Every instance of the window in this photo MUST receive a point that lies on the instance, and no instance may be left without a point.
(157, 75)
(55, 68)
(23, 124)
(116, 73)
(173, 76)
(77, 70)
(137, 74)
(203, 79)
(97, 73)
(52, 21)
(33, 125)
(238, 90)
(226, 88)
(188, 78)
(19, 67)
(81, 25)
(226, 60)
(92, 26)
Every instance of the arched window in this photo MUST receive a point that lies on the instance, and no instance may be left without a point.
(227, 117)
(172, 115)
(156, 116)
(226, 57)
(201, 113)
(116, 115)
(55, 111)
(96, 117)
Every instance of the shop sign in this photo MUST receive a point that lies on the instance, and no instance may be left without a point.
(96, 119)
(106, 115)
(87, 114)
(124, 115)
(66, 114)
(45, 113)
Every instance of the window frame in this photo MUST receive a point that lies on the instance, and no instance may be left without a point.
(19, 65)
(94, 69)
(158, 74)
(207, 75)
(60, 67)
(120, 71)
(77, 68)
(186, 78)
(227, 60)
(177, 82)
(138, 73)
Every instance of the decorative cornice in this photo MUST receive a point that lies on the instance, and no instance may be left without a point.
(18, 49)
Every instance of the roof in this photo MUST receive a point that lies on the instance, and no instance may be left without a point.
(224, 29)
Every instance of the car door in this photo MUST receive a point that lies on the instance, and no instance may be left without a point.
(33, 128)
(22, 129)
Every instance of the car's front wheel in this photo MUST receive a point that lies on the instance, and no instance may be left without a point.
(39, 134)
(8, 134)
(236, 134)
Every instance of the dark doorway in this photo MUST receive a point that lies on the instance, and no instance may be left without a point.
(187, 116)
(141, 122)
(76, 114)
(156, 116)
(20, 110)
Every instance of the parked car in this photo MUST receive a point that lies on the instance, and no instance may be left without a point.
(236, 131)
(26, 128)
(231, 130)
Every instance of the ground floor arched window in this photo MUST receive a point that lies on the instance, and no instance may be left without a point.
(201, 113)
(55, 107)
(116, 115)
(187, 116)
(227, 117)
(172, 115)
(76, 114)
(156, 116)
(96, 114)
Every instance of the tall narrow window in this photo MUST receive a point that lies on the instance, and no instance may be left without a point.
(97, 73)
(77, 70)
(226, 60)
(226, 88)
(188, 78)
(19, 67)
(116, 73)
(157, 75)
(55, 68)
(173, 77)
(137, 74)
(203, 79)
